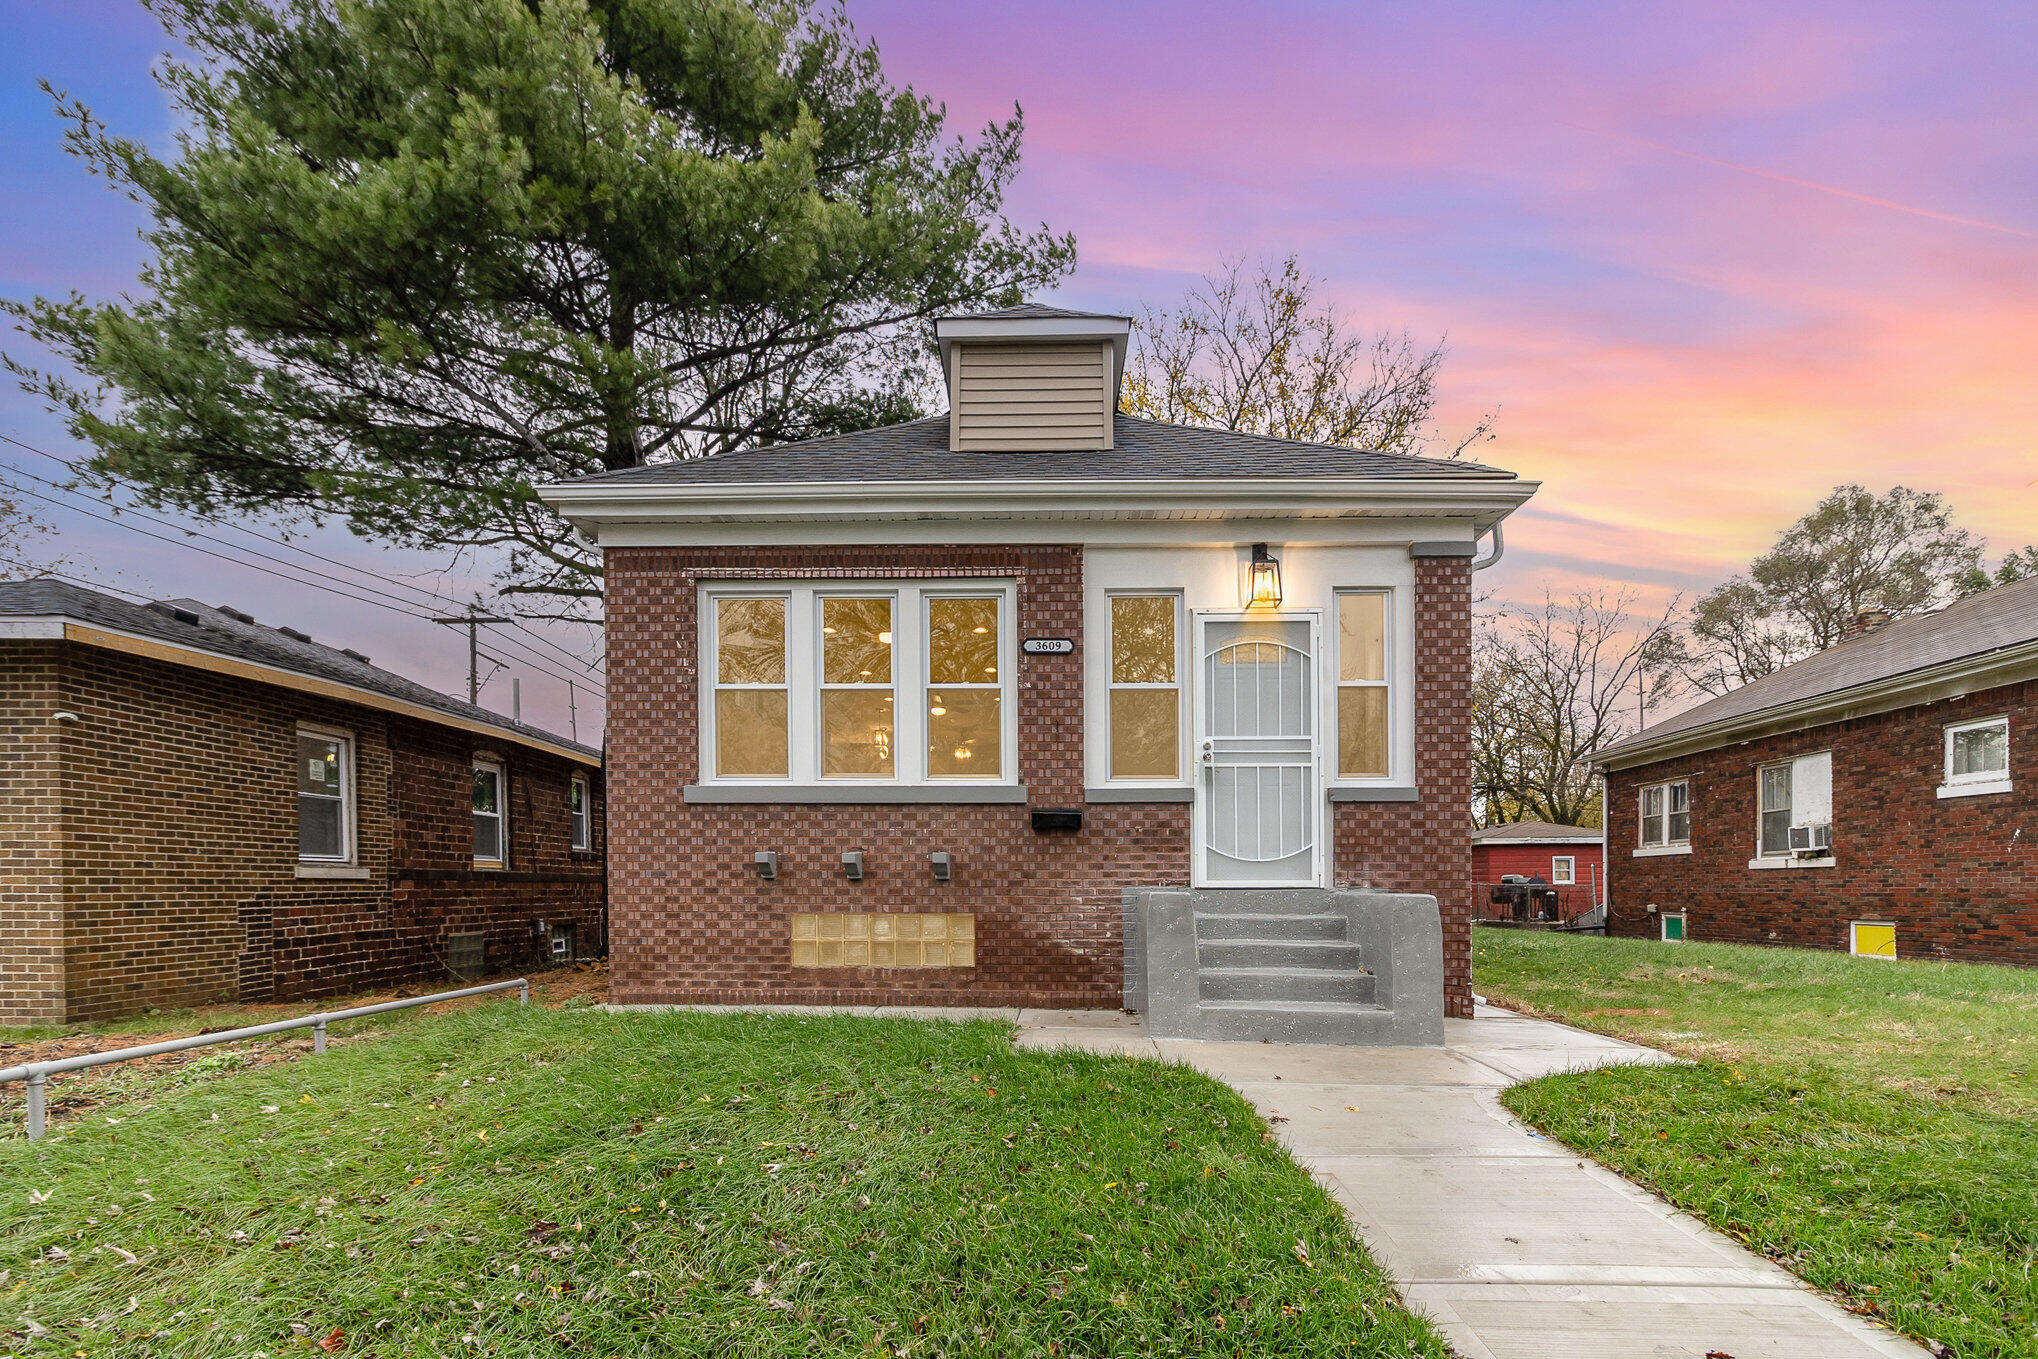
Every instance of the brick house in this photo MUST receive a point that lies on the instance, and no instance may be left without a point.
(899, 716)
(1875, 797)
(198, 807)
(1570, 859)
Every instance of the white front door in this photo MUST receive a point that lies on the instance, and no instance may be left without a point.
(1258, 823)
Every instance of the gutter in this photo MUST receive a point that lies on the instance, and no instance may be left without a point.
(1910, 689)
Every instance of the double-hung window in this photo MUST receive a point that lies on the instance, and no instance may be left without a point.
(325, 796)
(1563, 870)
(1146, 687)
(858, 682)
(1977, 758)
(491, 814)
(1793, 793)
(1364, 744)
(1666, 815)
(577, 813)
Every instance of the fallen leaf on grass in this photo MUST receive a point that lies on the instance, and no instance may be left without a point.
(335, 1340)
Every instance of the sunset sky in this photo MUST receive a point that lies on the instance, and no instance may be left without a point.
(1707, 261)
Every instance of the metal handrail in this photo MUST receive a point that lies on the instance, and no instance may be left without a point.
(37, 1074)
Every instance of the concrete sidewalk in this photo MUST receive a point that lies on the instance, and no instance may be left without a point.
(1517, 1248)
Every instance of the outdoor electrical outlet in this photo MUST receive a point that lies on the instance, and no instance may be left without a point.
(767, 864)
(852, 865)
(942, 865)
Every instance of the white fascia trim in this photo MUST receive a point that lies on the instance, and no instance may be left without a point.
(1976, 789)
(1021, 329)
(31, 629)
(1658, 851)
(1483, 500)
(1549, 840)
(1952, 679)
(1827, 862)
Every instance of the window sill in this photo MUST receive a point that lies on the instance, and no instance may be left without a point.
(1828, 862)
(338, 872)
(1374, 792)
(1133, 793)
(789, 794)
(1974, 789)
(1658, 851)
(489, 865)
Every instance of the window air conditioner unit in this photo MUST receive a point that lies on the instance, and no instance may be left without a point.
(1811, 842)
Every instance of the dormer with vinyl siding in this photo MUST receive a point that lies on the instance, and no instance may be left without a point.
(1031, 378)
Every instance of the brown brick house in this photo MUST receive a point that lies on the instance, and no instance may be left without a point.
(1876, 797)
(900, 716)
(198, 807)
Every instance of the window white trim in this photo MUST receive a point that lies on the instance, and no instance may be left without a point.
(1653, 833)
(1183, 777)
(580, 823)
(1774, 861)
(501, 813)
(909, 680)
(1568, 875)
(1983, 781)
(316, 865)
(1808, 804)
(1683, 927)
(1332, 742)
(1854, 941)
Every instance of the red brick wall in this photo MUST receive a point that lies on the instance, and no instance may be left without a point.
(1952, 873)
(178, 833)
(31, 836)
(692, 923)
(1422, 846)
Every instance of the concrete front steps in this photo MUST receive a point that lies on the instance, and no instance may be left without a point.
(1264, 968)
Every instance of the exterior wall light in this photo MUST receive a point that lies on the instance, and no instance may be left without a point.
(767, 864)
(944, 866)
(1263, 580)
(852, 864)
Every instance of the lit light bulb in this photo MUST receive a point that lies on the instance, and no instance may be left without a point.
(829, 631)
(884, 639)
(962, 752)
(980, 628)
(937, 711)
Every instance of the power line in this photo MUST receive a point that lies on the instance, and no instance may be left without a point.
(434, 596)
(387, 601)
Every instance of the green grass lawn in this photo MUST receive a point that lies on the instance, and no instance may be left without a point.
(500, 1181)
(1869, 1124)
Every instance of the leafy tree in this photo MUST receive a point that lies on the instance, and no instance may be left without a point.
(1900, 551)
(413, 256)
(1263, 354)
(2015, 566)
(24, 542)
(1552, 684)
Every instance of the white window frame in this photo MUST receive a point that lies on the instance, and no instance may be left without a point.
(502, 811)
(1568, 877)
(1978, 784)
(1767, 858)
(822, 685)
(581, 823)
(1644, 846)
(1183, 776)
(1854, 940)
(1333, 742)
(909, 678)
(349, 856)
(1683, 927)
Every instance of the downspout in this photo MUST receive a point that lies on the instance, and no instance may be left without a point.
(1499, 550)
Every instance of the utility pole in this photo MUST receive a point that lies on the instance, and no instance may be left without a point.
(472, 621)
(572, 716)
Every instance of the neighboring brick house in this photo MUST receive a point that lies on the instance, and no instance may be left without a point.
(1570, 859)
(1875, 797)
(899, 716)
(199, 808)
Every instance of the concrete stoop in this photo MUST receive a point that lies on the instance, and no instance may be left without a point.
(1290, 965)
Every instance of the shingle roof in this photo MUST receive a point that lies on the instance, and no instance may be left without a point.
(1973, 627)
(1538, 830)
(1037, 311)
(212, 630)
(1143, 449)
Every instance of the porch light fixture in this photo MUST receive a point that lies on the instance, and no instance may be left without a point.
(1263, 579)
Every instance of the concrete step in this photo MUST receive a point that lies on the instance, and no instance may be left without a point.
(1332, 954)
(1268, 925)
(1295, 1021)
(1268, 900)
(1285, 983)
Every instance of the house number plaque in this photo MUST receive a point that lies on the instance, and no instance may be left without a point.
(1047, 646)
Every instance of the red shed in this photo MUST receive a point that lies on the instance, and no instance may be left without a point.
(1569, 858)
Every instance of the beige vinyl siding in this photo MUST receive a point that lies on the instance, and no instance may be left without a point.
(1014, 397)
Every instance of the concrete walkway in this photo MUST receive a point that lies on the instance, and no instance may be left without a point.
(1516, 1247)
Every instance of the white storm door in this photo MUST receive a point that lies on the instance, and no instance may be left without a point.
(1258, 822)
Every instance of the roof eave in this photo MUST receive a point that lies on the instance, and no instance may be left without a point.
(1485, 499)
(1929, 684)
